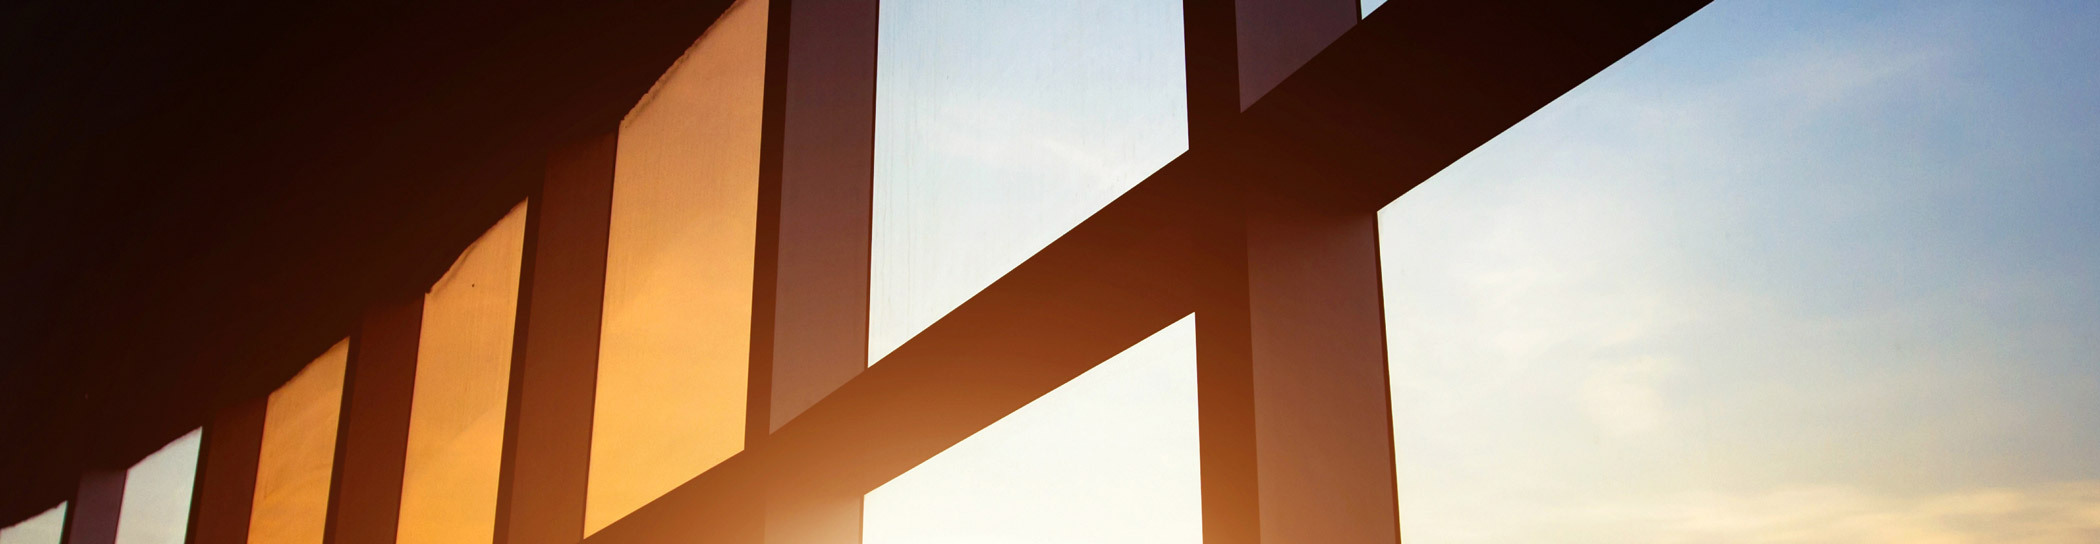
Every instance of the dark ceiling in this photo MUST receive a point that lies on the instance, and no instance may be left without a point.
(197, 199)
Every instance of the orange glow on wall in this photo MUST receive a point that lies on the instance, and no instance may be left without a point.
(298, 453)
(455, 433)
(675, 350)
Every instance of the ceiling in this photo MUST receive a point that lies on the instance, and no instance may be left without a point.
(196, 200)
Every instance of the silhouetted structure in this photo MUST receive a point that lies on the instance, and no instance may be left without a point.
(318, 185)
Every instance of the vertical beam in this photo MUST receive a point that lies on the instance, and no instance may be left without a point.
(827, 165)
(226, 471)
(1278, 36)
(1231, 513)
(1322, 421)
(826, 190)
(554, 369)
(765, 249)
(1224, 378)
(1290, 337)
(364, 504)
(92, 519)
(1209, 36)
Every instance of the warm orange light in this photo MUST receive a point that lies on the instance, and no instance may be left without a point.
(455, 433)
(673, 358)
(298, 453)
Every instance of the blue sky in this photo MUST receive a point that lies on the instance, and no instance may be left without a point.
(1001, 125)
(1796, 271)
(1811, 272)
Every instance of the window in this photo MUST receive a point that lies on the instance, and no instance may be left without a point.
(156, 505)
(998, 127)
(455, 431)
(44, 528)
(675, 352)
(1108, 457)
(297, 458)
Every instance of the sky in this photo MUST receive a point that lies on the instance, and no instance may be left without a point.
(1111, 457)
(1792, 272)
(1001, 125)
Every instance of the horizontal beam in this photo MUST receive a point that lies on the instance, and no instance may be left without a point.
(1417, 85)
(1114, 280)
(1398, 97)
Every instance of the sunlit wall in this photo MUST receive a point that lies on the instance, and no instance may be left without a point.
(455, 431)
(1001, 125)
(1109, 457)
(297, 459)
(675, 352)
(1792, 272)
(156, 504)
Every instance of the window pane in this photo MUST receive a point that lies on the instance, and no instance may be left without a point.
(1799, 273)
(156, 506)
(675, 352)
(1109, 457)
(298, 453)
(43, 529)
(1369, 6)
(1001, 125)
(455, 430)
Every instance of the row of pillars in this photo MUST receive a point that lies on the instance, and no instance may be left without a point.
(1296, 443)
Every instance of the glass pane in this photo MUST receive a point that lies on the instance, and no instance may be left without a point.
(1790, 273)
(1109, 457)
(455, 428)
(297, 459)
(156, 505)
(43, 529)
(1001, 125)
(675, 350)
(1369, 6)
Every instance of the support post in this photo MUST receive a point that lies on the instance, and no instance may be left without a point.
(1276, 37)
(554, 368)
(819, 328)
(364, 505)
(226, 471)
(827, 165)
(92, 518)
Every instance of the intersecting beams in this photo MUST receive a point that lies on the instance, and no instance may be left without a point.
(1402, 94)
